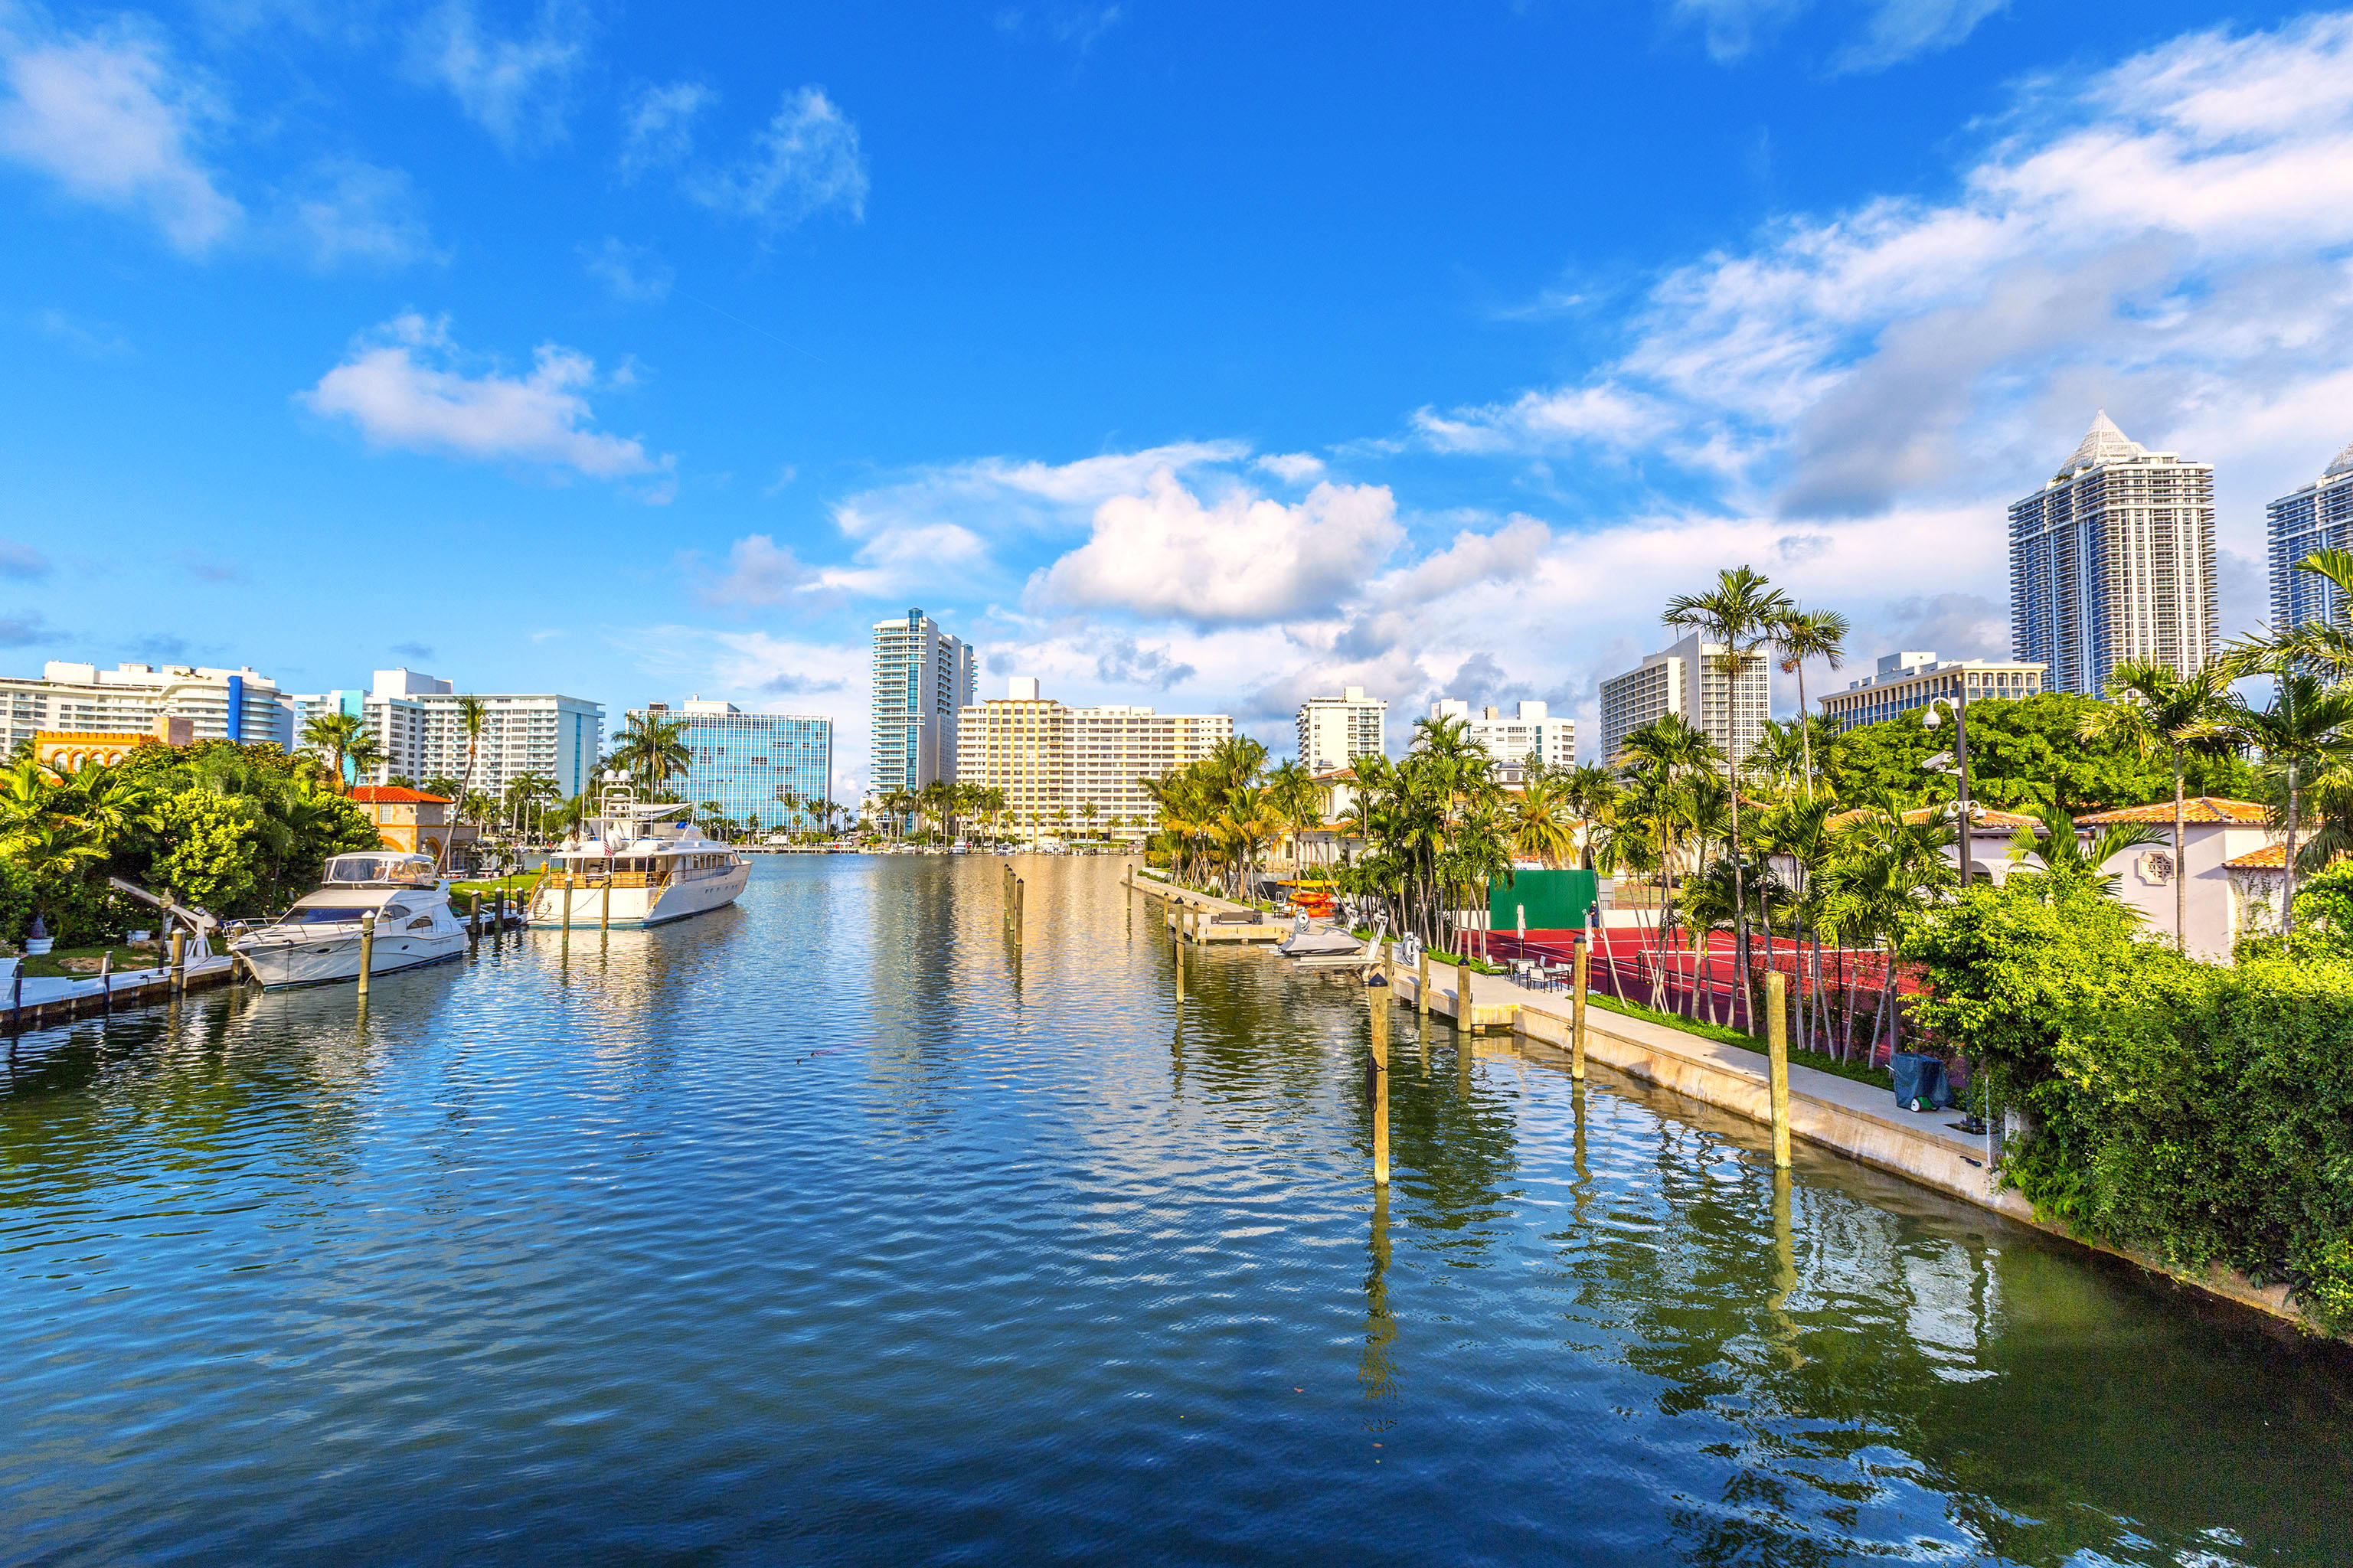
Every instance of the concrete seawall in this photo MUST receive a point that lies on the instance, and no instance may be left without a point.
(1859, 1121)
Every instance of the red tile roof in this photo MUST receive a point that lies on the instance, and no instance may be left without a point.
(394, 794)
(2198, 808)
(2269, 858)
(1984, 816)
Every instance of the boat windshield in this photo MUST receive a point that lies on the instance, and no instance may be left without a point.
(299, 916)
(379, 869)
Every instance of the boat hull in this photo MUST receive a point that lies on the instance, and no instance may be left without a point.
(635, 905)
(327, 959)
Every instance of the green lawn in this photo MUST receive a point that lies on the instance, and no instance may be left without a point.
(517, 886)
(1819, 1060)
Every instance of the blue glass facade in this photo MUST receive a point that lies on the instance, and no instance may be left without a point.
(744, 761)
(2318, 517)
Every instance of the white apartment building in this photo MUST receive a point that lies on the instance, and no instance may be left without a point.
(1689, 678)
(417, 721)
(1532, 732)
(924, 679)
(1049, 759)
(1335, 730)
(2318, 517)
(82, 698)
(1904, 681)
(2113, 559)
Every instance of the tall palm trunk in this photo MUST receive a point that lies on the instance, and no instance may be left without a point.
(2287, 908)
(2180, 886)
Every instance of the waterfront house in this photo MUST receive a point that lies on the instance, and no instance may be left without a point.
(412, 821)
(2232, 867)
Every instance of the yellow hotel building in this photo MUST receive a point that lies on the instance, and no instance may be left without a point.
(1048, 757)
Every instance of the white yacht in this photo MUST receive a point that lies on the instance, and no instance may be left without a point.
(638, 866)
(318, 940)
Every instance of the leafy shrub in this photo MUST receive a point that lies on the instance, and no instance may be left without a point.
(2200, 1113)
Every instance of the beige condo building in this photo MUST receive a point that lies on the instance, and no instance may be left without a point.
(1049, 759)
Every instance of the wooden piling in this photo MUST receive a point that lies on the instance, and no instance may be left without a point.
(367, 953)
(474, 919)
(179, 961)
(106, 978)
(1464, 1018)
(1020, 909)
(1580, 970)
(564, 942)
(1421, 990)
(1380, 1002)
(605, 915)
(1776, 1039)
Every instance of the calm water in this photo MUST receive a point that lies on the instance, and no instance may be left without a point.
(811, 1231)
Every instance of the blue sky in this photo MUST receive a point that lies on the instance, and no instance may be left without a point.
(1205, 356)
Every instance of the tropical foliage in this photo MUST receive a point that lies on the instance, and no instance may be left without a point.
(234, 830)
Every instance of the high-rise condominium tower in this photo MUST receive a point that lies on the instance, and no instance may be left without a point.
(2112, 560)
(2318, 517)
(923, 679)
(1335, 730)
(1532, 733)
(1689, 678)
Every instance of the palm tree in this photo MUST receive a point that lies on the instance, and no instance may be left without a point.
(2058, 844)
(651, 750)
(1798, 636)
(1541, 828)
(363, 755)
(333, 733)
(2306, 731)
(1883, 871)
(2156, 709)
(2323, 645)
(1589, 792)
(472, 712)
(1739, 614)
(1297, 800)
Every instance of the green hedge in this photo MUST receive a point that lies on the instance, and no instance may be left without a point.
(2200, 1113)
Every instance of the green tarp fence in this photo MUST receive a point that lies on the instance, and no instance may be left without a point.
(1552, 899)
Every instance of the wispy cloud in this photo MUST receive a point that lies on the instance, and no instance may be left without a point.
(632, 274)
(342, 211)
(1893, 31)
(759, 572)
(806, 159)
(23, 561)
(416, 650)
(517, 88)
(25, 628)
(116, 121)
(406, 386)
(657, 125)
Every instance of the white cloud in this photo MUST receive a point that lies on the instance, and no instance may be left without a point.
(116, 122)
(632, 274)
(406, 387)
(759, 572)
(2166, 239)
(1168, 553)
(803, 161)
(657, 127)
(1893, 30)
(1291, 467)
(347, 211)
(518, 90)
(1900, 30)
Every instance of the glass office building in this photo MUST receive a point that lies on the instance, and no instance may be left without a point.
(2318, 517)
(748, 763)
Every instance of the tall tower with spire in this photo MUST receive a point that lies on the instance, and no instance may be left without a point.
(2318, 517)
(2113, 559)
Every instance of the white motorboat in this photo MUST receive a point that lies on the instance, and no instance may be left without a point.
(638, 866)
(318, 940)
(1311, 942)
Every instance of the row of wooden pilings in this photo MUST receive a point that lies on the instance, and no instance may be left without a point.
(1380, 992)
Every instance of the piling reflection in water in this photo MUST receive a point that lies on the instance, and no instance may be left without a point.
(836, 1219)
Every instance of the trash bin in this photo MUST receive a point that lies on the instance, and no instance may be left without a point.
(1920, 1083)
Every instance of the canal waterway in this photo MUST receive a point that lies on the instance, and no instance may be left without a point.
(816, 1230)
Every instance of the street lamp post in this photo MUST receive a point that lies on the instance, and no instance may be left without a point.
(1959, 708)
